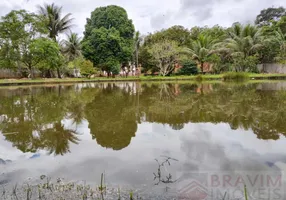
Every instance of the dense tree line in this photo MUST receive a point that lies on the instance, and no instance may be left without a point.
(236, 48)
(30, 41)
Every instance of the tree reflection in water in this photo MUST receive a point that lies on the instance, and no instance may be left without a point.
(112, 117)
(32, 117)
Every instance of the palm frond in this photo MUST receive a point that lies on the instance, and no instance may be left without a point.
(56, 24)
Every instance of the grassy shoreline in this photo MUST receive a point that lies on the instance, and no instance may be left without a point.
(219, 77)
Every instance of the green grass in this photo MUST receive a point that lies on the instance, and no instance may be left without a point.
(207, 77)
(266, 76)
(237, 76)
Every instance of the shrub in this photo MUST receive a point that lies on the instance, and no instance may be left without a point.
(85, 66)
(87, 69)
(189, 67)
(238, 76)
(248, 64)
(199, 78)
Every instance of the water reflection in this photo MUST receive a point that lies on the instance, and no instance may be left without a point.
(112, 117)
(32, 118)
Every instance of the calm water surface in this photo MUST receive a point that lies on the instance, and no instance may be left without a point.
(80, 131)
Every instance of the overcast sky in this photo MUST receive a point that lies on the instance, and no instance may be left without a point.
(151, 15)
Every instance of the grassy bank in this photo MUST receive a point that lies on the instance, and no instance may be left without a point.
(222, 77)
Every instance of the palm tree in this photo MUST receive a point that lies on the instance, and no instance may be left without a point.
(55, 22)
(71, 47)
(244, 41)
(201, 49)
(242, 45)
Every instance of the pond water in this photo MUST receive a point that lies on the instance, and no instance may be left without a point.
(79, 131)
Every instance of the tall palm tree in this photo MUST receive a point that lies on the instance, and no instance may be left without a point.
(201, 49)
(55, 22)
(71, 46)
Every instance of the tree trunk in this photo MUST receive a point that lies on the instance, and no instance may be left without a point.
(32, 72)
(137, 57)
(19, 69)
(50, 73)
(59, 73)
(202, 67)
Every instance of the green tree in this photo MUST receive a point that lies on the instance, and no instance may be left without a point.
(166, 54)
(202, 49)
(17, 30)
(195, 32)
(147, 60)
(85, 66)
(267, 16)
(179, 34)
(282, 24)
(243, 42)
(280, 39)
(71, 47)
(55, 23)
(42, 53)
(137, 41)
(108, 38)
(104, 48)
(271, 48)
(217, 32)
(54, 20)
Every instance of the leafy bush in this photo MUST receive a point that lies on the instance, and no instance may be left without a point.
(238, 76)
(115, 67)
(189, 67)
(248, 64)
(222, 67)
(85, 66)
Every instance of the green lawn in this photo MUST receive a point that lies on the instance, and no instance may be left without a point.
(207, 77)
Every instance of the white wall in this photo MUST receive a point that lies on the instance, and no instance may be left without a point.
(272, 68)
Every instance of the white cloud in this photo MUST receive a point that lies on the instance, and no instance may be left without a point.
(151, 15)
